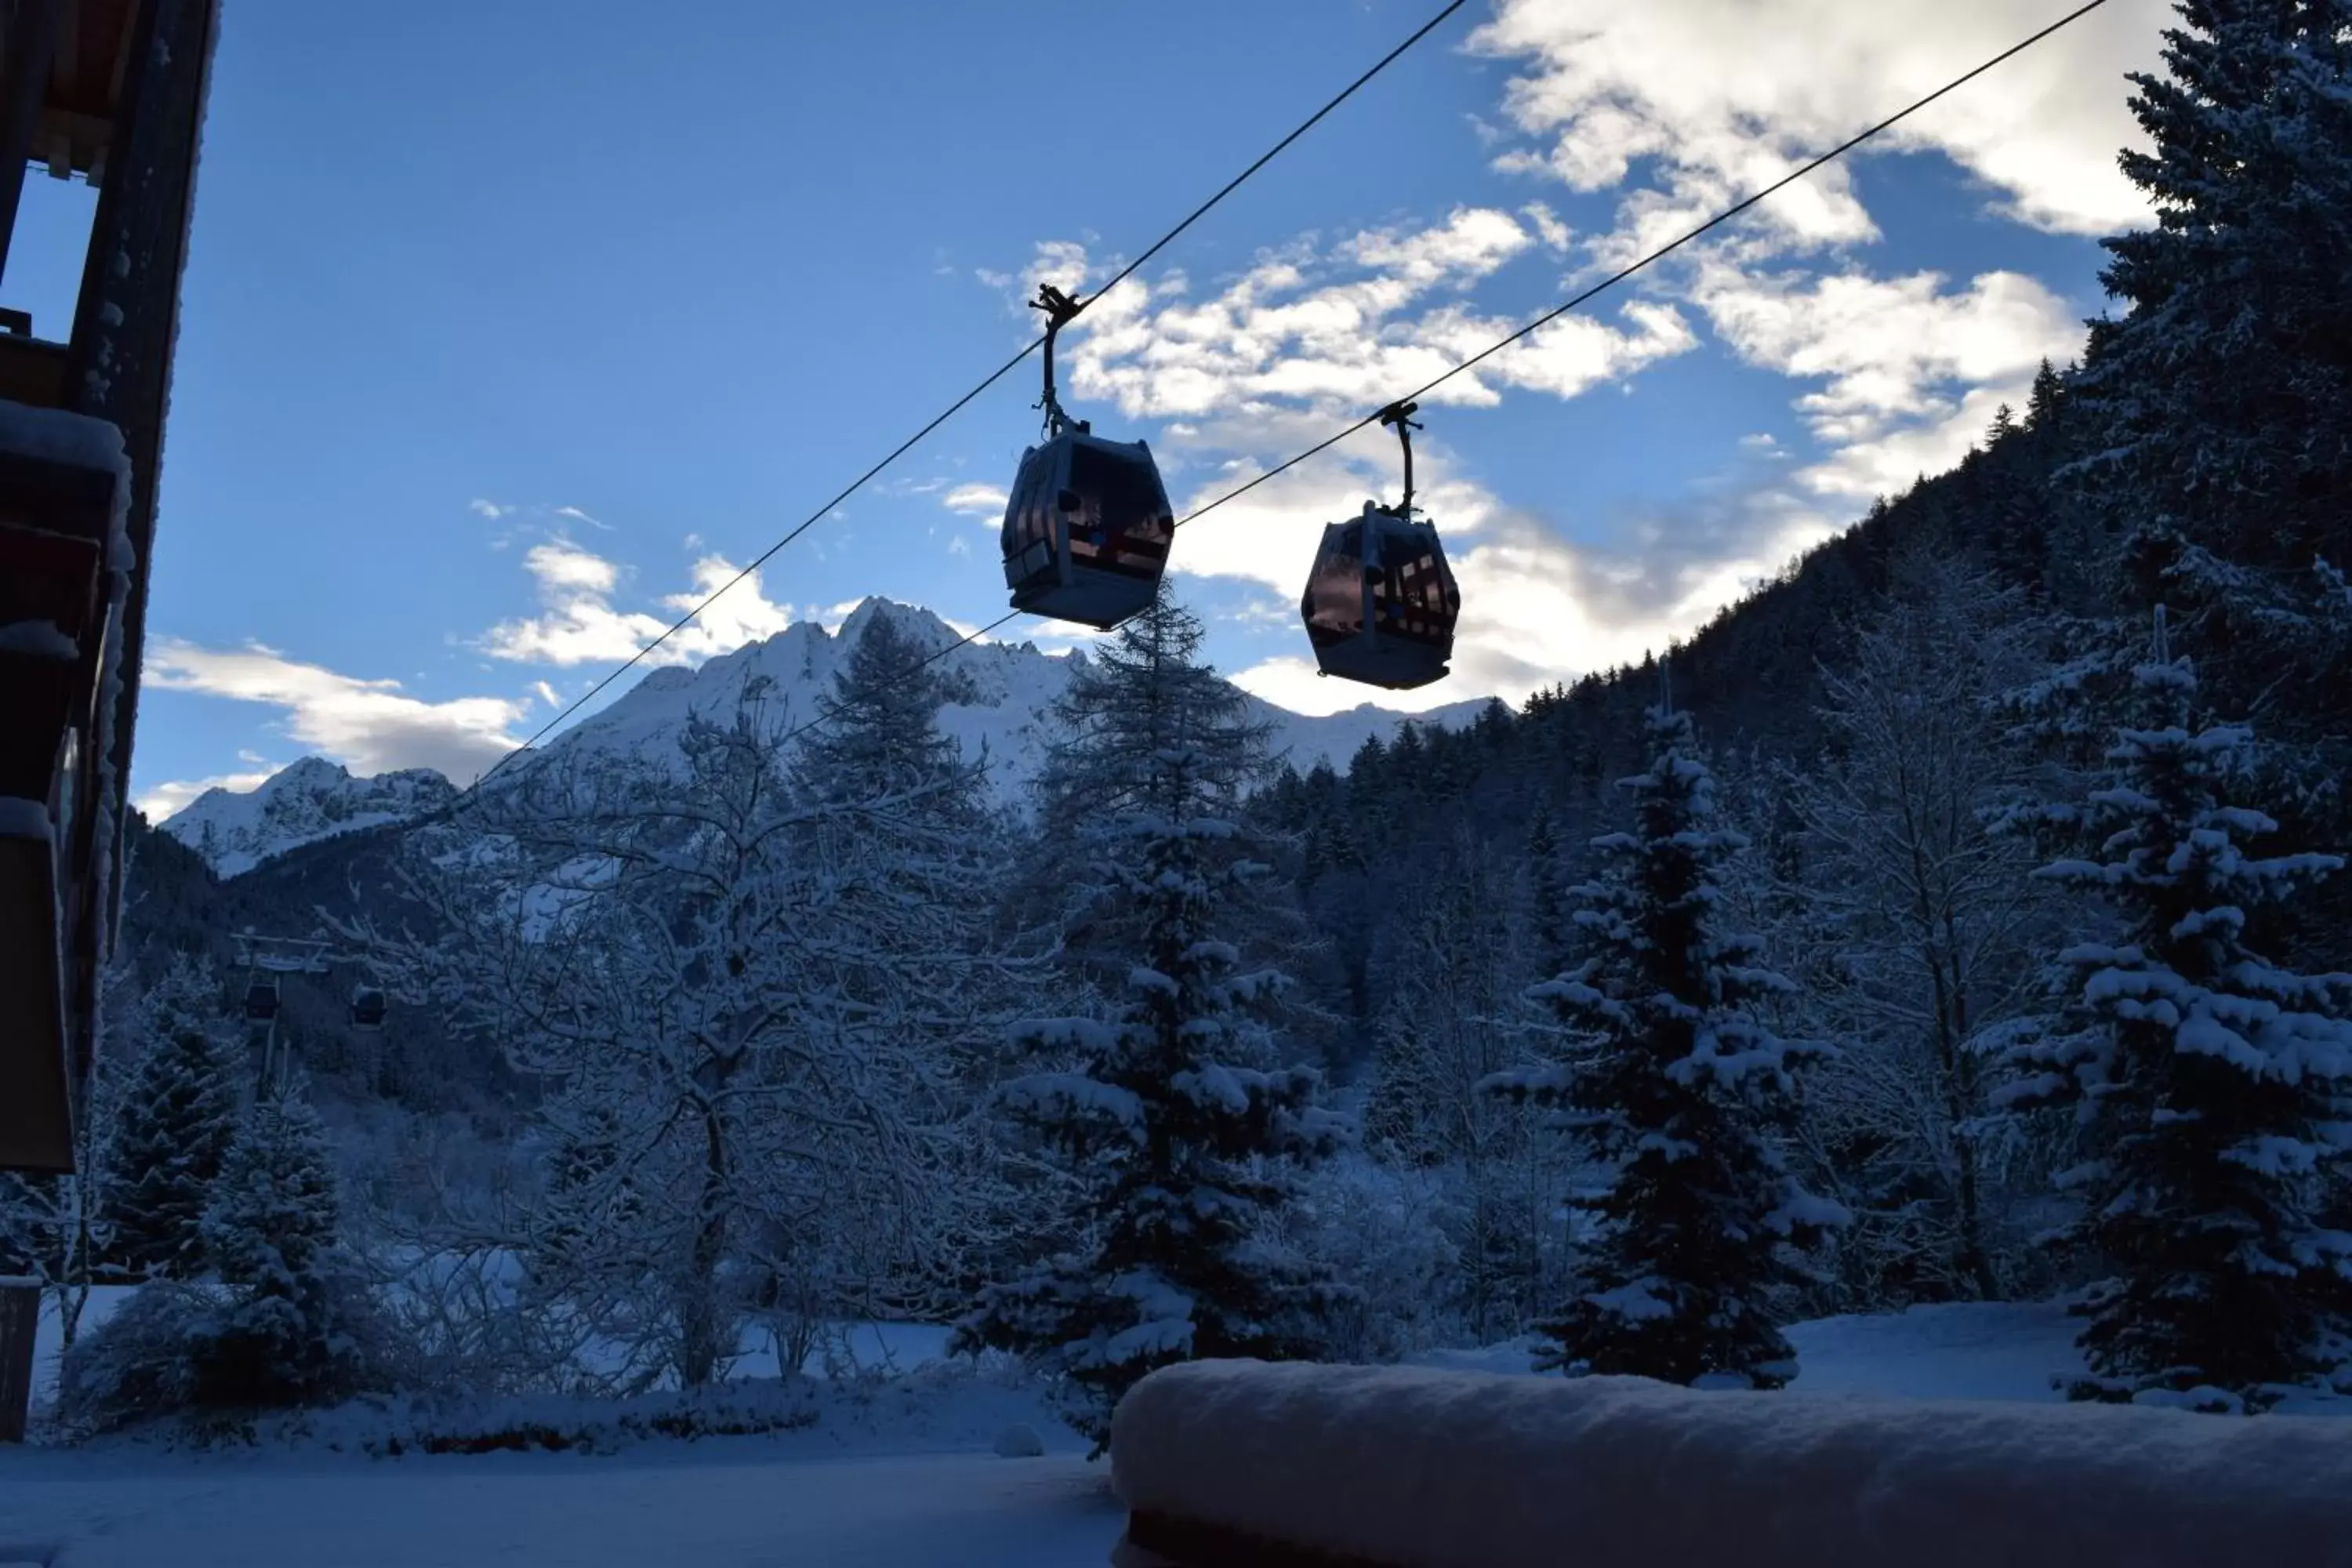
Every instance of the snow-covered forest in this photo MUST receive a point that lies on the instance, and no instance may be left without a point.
(1963, 917)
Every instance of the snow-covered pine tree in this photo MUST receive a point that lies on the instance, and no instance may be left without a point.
(174, 1126)
(273, 1229)
(2215, 416)
(1173, 1113)
(2220, 398)
(1677, 1087)
(2214, 1089)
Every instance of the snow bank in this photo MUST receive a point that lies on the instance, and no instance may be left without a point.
(1415, 1468)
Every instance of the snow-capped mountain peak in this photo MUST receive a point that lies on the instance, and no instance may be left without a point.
(1001, 697)
(235, 830)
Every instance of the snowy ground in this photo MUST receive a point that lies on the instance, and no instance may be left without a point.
(713, 1505)
(904, 1478)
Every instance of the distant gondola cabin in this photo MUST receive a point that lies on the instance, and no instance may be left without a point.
(1381, 603)
(262, 1000)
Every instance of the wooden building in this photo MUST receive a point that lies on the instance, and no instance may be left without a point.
(110, 91)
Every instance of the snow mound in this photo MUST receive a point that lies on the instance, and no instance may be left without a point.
(1020, 1441)
(1417, 1468)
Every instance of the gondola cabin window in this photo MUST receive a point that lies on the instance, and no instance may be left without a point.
(1122, 520)
(1335, 589)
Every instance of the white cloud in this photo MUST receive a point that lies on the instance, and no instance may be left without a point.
(1884, 343)
(547, 694)
(1555, 235)
(983, 502)
(488, 509)
(171, 797)
(1715, 99)
(1911, 371)
(742, 614)
(563, 567)
(1680, 110)
(579, 623)
(1536, 609)
(370, 726)
(1304, 331)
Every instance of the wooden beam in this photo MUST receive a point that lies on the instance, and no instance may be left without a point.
(32, 41)
(20, 1318)
(66, 66)
(118, 366)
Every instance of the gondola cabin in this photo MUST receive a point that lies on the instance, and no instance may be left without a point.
(1088, 525)
(1381, 603)
(367, 1010)
(1087, 530)
(261, 999)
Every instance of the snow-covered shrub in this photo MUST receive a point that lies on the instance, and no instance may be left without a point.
(288, 1322)
(212, 1355)
(1383, 1231)
(135, 1367)
(555, 1424)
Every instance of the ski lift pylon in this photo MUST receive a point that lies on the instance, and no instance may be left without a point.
(1381, 603)
(1088, 525)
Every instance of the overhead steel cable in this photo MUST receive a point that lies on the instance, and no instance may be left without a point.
(1726, 215)
(993, 376)
(1848, 145)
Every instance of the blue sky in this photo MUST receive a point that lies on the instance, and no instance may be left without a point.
(506, 323)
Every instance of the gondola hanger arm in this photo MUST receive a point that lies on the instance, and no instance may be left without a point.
(1400, 414)
(1060, 310)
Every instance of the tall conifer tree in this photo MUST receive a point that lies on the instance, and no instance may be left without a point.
(1676, 1088)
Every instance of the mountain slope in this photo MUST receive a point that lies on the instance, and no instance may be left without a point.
(1001, 696)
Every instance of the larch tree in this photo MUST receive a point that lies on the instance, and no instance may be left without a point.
(1919, 920)
(1172, 1111)
(2213, 1089)
(1446, 1024)
(920, 881)
(1677, 1089)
